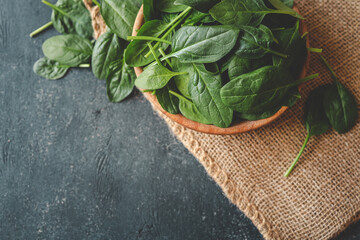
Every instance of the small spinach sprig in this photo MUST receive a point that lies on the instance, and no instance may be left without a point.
(330, 105)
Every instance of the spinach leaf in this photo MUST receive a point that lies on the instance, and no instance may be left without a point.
(315, 120)
(285, 5)
(107, 49)
(168, 102)
(291, 43)
(340, 105)
(256, 42)
(204, 89)
(155, 77)
(290, 100)
(120, 81)
(200, 5)
(119, 16)
(243, 12)
(71, 50)
(259, 90)
(289, 3)
(150, 9)
(182, 81)
(50, 69)
(75, 21)
(204, 44)
(189, 110)
(239, 66)
(169, 6)
(136, 51)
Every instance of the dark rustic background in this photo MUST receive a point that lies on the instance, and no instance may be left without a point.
(74, 166)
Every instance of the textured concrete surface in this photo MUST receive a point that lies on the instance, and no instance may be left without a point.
(74, 166)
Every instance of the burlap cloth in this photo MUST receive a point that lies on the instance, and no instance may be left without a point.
(322, 195)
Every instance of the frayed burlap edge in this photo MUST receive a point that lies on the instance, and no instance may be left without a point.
(228, 186)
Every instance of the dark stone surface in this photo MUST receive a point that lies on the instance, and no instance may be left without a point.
(74, 166)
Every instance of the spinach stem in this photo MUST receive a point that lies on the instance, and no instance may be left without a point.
(84, 66)
(315, 50)
(305, 79)
(278, 29)
(56, 8)
(278, 53)
(276, 41)
(292, 13)
(40, 29)
(180, 17)
(164, 55)
(304, 35)
(154, 53)
(173, 24)
(330, 69)
(97, 3)
(179, 96)
(298, 156)
(147, 38)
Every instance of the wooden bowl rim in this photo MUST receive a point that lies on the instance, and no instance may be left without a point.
(241, 127)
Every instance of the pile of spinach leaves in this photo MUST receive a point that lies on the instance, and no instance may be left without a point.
(216, 62)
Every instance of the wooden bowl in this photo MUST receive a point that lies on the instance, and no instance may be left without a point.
(241, 127)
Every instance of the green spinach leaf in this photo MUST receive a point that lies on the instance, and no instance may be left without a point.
(204, 44)
(150, 9)
(168, 102)
(290, 100)
(119, 16)
(315, 120)
(107, 49)
(204, 89)
(182, 81)
(120, 81)
(76, 21)
(189, 110)
(50, 69)
(291, 43)
(285, 5)
(288, 3)
(256, 42)
(155, 77)
(243, 12)
(259, 90)
(71, 50)
(239, 66)
(340, 105)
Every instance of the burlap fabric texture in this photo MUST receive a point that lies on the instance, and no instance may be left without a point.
(322, 196)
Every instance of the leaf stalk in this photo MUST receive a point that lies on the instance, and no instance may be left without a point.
(298, 156)
(40, 29)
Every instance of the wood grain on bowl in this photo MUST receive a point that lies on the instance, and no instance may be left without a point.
(241, 127)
